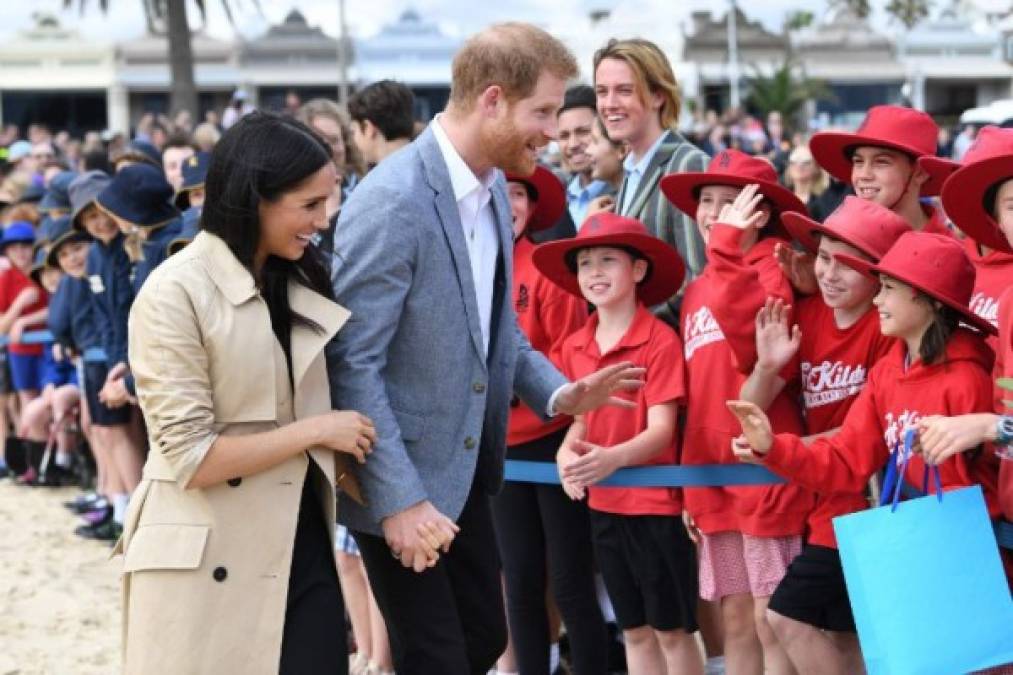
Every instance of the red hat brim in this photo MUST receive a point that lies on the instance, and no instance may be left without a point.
(939, 170)
(551, 200)
(831, 150)
(964, 200)
(667, 268)
(873, 269)
(682, 189)
(802, 227)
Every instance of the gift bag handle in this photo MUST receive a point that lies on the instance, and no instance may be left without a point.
(909, 439)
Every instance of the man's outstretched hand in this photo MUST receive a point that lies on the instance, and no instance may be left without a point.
(600, 388)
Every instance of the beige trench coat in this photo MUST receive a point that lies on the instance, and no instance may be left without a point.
(206, 570)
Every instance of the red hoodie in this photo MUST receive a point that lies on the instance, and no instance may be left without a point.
(834, 366)
(893, 399)
(548, 315)
(719, 341)
(1004, 368)
(993, 273)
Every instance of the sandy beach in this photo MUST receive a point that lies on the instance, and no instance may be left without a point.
(59, 594)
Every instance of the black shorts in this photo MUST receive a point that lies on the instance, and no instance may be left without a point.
(5, 373)
(813, 591)
(649, 567)
(94, 379)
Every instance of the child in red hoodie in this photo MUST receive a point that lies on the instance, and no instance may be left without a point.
(980, 198)
(747, 535)
(538, 526)
(645, 556)
(836, 341)
(937, 366)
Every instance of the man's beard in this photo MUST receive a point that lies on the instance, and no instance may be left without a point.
(508, 149)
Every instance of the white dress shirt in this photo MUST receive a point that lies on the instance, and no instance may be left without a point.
(474, 196)
(635, 169)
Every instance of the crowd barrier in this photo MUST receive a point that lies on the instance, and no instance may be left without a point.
(40, 337)
(704, 475)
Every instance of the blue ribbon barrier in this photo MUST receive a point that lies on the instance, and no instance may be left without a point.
(659, 475)
(32, 337)
(703, 475)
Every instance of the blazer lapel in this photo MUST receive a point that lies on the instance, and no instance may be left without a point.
(450, 220)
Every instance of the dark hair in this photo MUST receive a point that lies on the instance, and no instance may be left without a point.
(389, 105)
(945, 321)
(179, 140)
(96, 159)
(262, 157)
(990, 200)
(605, 132)
(579, 96)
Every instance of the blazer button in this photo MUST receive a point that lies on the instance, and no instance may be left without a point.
(469, 443)
(478, 387)
(234, 482)
(220, 573)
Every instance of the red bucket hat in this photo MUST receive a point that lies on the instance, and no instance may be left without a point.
(936, 265)
(549, 195)
(866, 225)
(987, 163)
(733, 168)
(906, 130)
(608, 229)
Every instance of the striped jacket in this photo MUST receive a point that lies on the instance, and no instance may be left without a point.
(649, 206)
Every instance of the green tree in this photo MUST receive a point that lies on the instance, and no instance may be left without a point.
(169, 18)
(784, 90)
(860, 8)
(909, 12)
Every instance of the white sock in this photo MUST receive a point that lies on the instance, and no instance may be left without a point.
(63, 459)
(715, 665)
(120, 507)
(553, 657)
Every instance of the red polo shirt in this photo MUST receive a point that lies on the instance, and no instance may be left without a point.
(548, 315)
(1004, 368)
(651, 344)
(12, 282)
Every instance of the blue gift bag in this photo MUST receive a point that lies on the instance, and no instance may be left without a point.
(926, 584)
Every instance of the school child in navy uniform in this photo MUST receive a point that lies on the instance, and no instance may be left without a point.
(108, 270)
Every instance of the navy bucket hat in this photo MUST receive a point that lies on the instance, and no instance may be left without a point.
(18, 232)
(139, 151)
(195, 171)
(57, 197)
(139, 195)
(62, 232)
(83, 191)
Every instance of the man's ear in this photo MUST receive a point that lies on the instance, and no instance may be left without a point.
(491, 100)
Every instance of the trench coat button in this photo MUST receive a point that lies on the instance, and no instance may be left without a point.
(220, 573)
(234, 482)
(469, 443)
(478, 388)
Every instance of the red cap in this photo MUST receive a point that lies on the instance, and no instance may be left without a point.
(987, 163)
(936, 265)
(608, 229)
(906, 130)
(550, 197)
(735, 169)
(861, 223)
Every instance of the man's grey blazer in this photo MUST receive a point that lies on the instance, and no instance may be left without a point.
(411, 357)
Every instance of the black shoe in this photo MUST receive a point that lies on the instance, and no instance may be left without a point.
(4, 472)
(85, 502)
(108, 530)
(57, 476)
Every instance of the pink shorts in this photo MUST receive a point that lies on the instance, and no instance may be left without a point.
(732, 563)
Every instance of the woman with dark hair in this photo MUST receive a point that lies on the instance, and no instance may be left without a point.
(228, 552)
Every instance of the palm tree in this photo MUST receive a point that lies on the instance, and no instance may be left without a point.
(909, 12)
(784, 90)
(168, 18)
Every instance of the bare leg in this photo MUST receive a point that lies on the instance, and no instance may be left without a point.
(355, 589)
(809, 648)
(380, 651)
(126, 456)
(743, 651)
(643, 653)
(775, 658)
(851, 651)
(507, 662)
(682, 653)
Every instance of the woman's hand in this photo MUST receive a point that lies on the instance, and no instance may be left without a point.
(776, 344)
(756, 429)
(743, 212)
(345, 431)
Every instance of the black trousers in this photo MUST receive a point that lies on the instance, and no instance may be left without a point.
(545, 541)
(315, 640)
(448, 620)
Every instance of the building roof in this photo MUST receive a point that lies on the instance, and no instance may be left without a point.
(410, 50)
(293, 37)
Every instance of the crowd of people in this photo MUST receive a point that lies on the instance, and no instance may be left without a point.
(790, 300)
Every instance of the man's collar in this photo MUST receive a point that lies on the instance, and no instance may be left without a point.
(631, 164)
(593, 189)
(462, 179)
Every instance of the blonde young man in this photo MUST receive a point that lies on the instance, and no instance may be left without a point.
(639, 102)
(432, 352)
